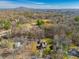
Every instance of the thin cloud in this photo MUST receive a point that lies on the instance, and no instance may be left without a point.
(10, 4)
(39, 3)
(7, 4)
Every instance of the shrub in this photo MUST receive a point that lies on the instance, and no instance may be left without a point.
(39, 22)
(6, 43)
(77, 18)
(6, 24)
(49, 46)
(46, 51)
(48, 40)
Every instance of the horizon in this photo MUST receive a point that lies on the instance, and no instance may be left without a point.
(40, 4)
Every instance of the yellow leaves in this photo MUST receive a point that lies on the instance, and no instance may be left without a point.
(47, 23)
(72, 57)
(69, 57)
(65, 57)
(72, 46)
(33, 47)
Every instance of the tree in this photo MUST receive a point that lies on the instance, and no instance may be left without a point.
(77, 18)
(39, 22)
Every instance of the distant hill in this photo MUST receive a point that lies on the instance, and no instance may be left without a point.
(61, 11)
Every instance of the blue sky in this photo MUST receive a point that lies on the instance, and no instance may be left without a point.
(42, 4)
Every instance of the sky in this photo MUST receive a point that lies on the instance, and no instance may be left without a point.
(40, 4)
